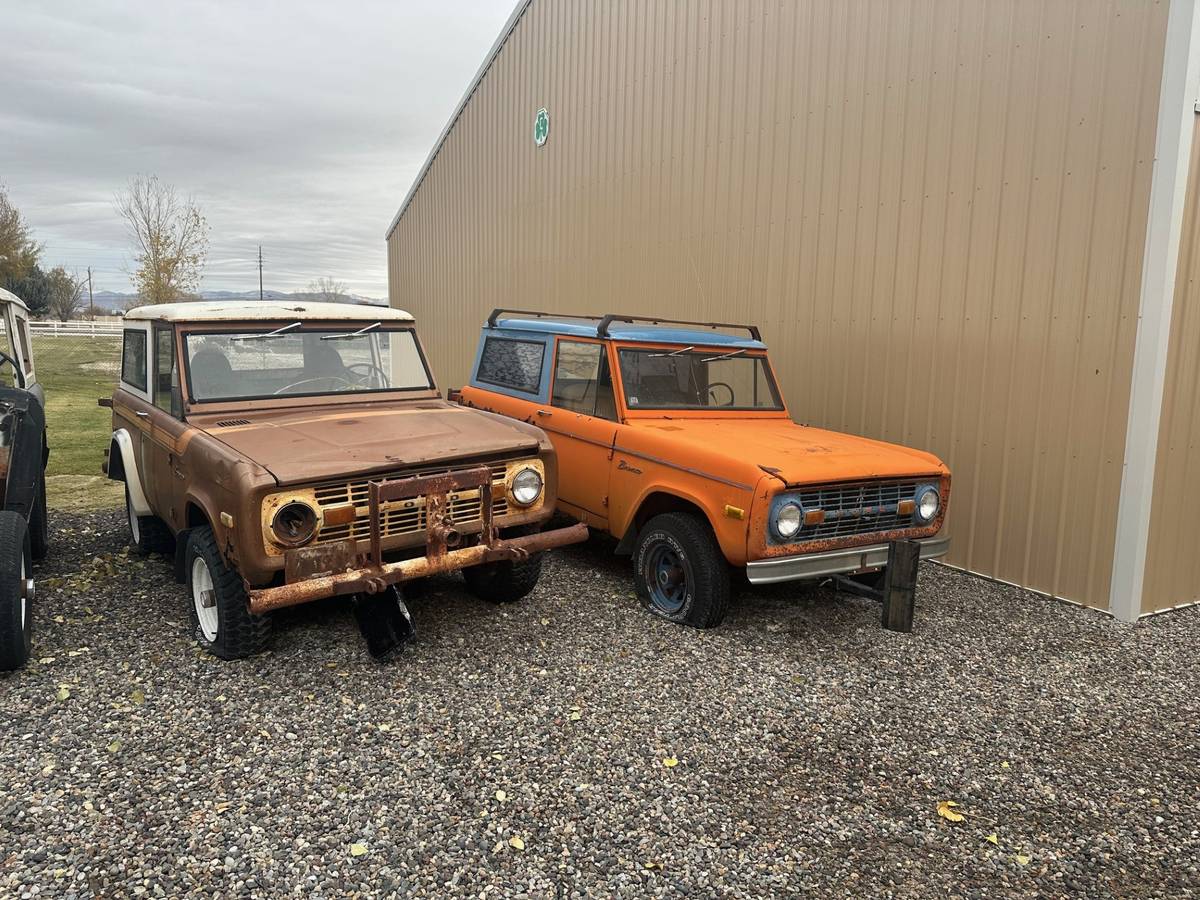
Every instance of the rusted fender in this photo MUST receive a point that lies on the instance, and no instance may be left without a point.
(373, 579)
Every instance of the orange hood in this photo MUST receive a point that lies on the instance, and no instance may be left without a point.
(799, 454)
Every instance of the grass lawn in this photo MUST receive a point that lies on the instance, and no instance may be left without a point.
(75, 372)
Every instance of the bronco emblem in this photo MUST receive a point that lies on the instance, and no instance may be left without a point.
(626, 467)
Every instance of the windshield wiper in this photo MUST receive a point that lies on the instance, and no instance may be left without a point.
(346, 337)
(278, 332)
(724, 356)
(672, 353)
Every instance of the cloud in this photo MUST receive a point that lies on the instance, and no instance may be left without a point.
(296, 125)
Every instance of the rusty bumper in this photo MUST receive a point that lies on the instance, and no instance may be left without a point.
(342, 573)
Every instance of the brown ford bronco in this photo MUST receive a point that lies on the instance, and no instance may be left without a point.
(288, 453)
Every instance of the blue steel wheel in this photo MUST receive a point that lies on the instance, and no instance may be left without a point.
(680, 572)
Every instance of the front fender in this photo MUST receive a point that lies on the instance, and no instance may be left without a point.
(122, 443)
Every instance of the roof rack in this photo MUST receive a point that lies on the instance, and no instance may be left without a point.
(604, 321)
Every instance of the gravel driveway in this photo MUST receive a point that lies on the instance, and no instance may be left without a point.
(572, 745)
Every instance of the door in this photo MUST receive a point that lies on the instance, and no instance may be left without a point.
(581, 420)
(166, 478)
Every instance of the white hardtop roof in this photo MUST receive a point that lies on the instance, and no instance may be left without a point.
(267, 311)
(10, 297)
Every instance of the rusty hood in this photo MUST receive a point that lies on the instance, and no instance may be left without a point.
(796, 454)
(323, 443)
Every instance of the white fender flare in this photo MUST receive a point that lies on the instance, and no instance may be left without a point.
(133, 479)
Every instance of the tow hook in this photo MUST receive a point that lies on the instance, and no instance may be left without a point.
(384, 621)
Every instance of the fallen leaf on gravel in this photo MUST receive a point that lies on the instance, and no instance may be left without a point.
(670, 762)
(992, 839)
(63, 692)
(516, 843)
(46, 660)
(545, 621)
(1004, 765)
(946, 811)
(653, 865)
(59, 619)
(358, 849)
(1022, 859)
(114, 746)
(501, 796)
(576, 715)
(385, 727)
(137, 697)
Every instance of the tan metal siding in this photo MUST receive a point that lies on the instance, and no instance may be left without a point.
(1172, 563)
(876, 184)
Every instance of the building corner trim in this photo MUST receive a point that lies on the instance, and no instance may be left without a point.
(1160, 260)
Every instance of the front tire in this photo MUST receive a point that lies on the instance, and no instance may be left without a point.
(16, 613)
(220, 611)
(680, 572)
(147, 534)
(505, 582)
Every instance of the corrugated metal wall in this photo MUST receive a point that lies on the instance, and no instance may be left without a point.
(1172, 563)
(936, 210)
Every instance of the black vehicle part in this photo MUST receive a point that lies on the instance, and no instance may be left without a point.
(895, 586)
(16, 602)
(22, 449)
(384, 621)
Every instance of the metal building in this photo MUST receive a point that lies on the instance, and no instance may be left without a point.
(958, 222)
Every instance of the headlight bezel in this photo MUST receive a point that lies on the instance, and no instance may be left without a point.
(513, 487)
(303, 537)
(922, 492)
(777, 517)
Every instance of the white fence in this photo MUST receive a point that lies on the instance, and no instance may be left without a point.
(75, 329)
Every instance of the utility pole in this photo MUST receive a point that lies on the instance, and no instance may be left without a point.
(91, 299)
(260, 291)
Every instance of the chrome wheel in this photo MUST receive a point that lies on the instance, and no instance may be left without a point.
(134, 529)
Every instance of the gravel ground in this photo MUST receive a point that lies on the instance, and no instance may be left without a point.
(572, 745)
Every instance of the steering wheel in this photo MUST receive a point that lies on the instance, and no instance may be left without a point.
(18, 375)
(712, 393)
(328, 378)
(372, 374)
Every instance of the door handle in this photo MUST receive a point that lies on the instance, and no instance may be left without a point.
(545, 413)
(142, 415)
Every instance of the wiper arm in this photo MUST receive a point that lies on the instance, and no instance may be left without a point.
(672, 353)
(724, 356)
(346, 337)
(278, 332)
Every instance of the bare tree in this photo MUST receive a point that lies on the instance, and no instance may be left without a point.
(328, 289)
(170, 239)
(18, 250)
(66, 293)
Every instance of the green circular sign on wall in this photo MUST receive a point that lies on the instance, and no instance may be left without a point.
(541, 127)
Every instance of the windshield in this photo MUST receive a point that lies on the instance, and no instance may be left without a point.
(289, 360)
(697, 379)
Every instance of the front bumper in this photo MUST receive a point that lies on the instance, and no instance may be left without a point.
(833, 562)
(330, 570)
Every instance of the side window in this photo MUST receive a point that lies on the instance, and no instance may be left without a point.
(133, 359)
(512, 364)
(582, 381)
(166, 373)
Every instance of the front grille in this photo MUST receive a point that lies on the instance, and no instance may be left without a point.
(858, 508)
(403, 516)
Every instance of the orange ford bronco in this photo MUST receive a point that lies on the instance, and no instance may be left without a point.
(294, 452)
(676, 440)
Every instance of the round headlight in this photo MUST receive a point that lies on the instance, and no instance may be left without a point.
(526, 487)
(788, 519)
(294, 523)
(928, 504)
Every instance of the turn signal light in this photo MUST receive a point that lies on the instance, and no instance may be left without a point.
(814, 516)
(339, 515)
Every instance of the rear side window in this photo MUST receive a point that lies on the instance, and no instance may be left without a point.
(512, 364)
(133, 360)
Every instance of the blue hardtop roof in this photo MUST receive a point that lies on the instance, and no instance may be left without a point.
(619, 331)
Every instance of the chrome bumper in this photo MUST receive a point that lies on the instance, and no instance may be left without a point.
(833, 562)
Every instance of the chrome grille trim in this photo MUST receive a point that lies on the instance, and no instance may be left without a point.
(858, 508)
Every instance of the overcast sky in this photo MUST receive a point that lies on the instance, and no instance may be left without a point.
(297, 125)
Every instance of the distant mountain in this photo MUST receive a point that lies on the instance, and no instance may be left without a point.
(115, 301)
